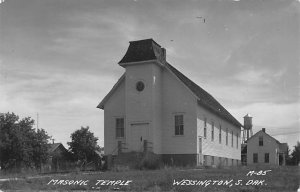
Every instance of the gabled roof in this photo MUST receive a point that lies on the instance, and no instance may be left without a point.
(204, 98)
(265, 134)
(101, 104)
(144, 50)
(53, 147)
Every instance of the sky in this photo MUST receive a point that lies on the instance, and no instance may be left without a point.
(59, 58)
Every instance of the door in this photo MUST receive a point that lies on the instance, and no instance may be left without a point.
(200, 151)
(139, 133)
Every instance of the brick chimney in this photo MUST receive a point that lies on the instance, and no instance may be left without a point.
(264, 130)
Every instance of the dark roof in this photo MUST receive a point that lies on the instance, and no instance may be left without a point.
(140, 51)
(264, 132)
(53, 147)
(204, 98)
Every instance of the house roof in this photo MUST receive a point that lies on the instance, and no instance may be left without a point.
(143, 50)
(204, 98)
(265, 134)
(53, 147)
(283, 147)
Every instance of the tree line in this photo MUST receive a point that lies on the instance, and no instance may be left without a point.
(23, 146)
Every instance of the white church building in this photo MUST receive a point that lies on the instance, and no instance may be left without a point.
(154, 107)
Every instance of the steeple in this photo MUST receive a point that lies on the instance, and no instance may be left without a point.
(143, 50)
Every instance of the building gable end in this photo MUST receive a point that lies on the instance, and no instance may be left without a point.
(106, 98)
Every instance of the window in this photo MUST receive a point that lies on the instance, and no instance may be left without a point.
(266, 157)
(231, 138)
(237, 140)
(232, 162)
(119, 127)
(226, 161)
(220, 136)
(261, 141)
(178, 124)
(226, 136)
(140, 86)
(205, 122)
(212, 131)
(255, 158)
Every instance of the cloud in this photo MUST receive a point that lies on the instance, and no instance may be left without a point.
(59, 58)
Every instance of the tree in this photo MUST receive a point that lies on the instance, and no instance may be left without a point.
(296, 154)
(83, 144)
(20, 144)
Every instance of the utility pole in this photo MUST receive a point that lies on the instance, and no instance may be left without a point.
(37, 121)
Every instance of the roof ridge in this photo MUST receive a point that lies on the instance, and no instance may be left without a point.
(209, 101)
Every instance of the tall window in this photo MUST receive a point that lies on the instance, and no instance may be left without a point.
(212, 131)
(205, 129)
(226, 136)
(119, 127)
(179, 125)
(237, 140)
(255, 158)
(260, 141)
(266, 157)
(220, 136)
(231, 138)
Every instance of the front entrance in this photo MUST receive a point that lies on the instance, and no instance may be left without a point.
(139, 133)
(200, 151)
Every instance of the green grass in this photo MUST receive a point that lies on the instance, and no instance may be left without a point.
(279, 179)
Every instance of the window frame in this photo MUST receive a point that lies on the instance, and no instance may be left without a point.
(267, 157)
(261, 141)
(180, 126)
(220, 134)
(122, 128)
(212, 131)
(237, 140)
(226, 136)
(232, 138)
(205, 128)
(255, 157)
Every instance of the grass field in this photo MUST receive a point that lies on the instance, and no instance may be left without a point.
(214, 179)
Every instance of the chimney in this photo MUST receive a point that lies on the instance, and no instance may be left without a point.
(264, 130)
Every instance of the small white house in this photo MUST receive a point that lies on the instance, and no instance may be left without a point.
(263, 149)
(154, 107)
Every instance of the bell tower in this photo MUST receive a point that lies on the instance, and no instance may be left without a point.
(144, 62)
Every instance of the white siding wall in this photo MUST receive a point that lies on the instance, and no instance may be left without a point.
(269, 146)
(214, 148)
(178, 99)
(114, 107)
